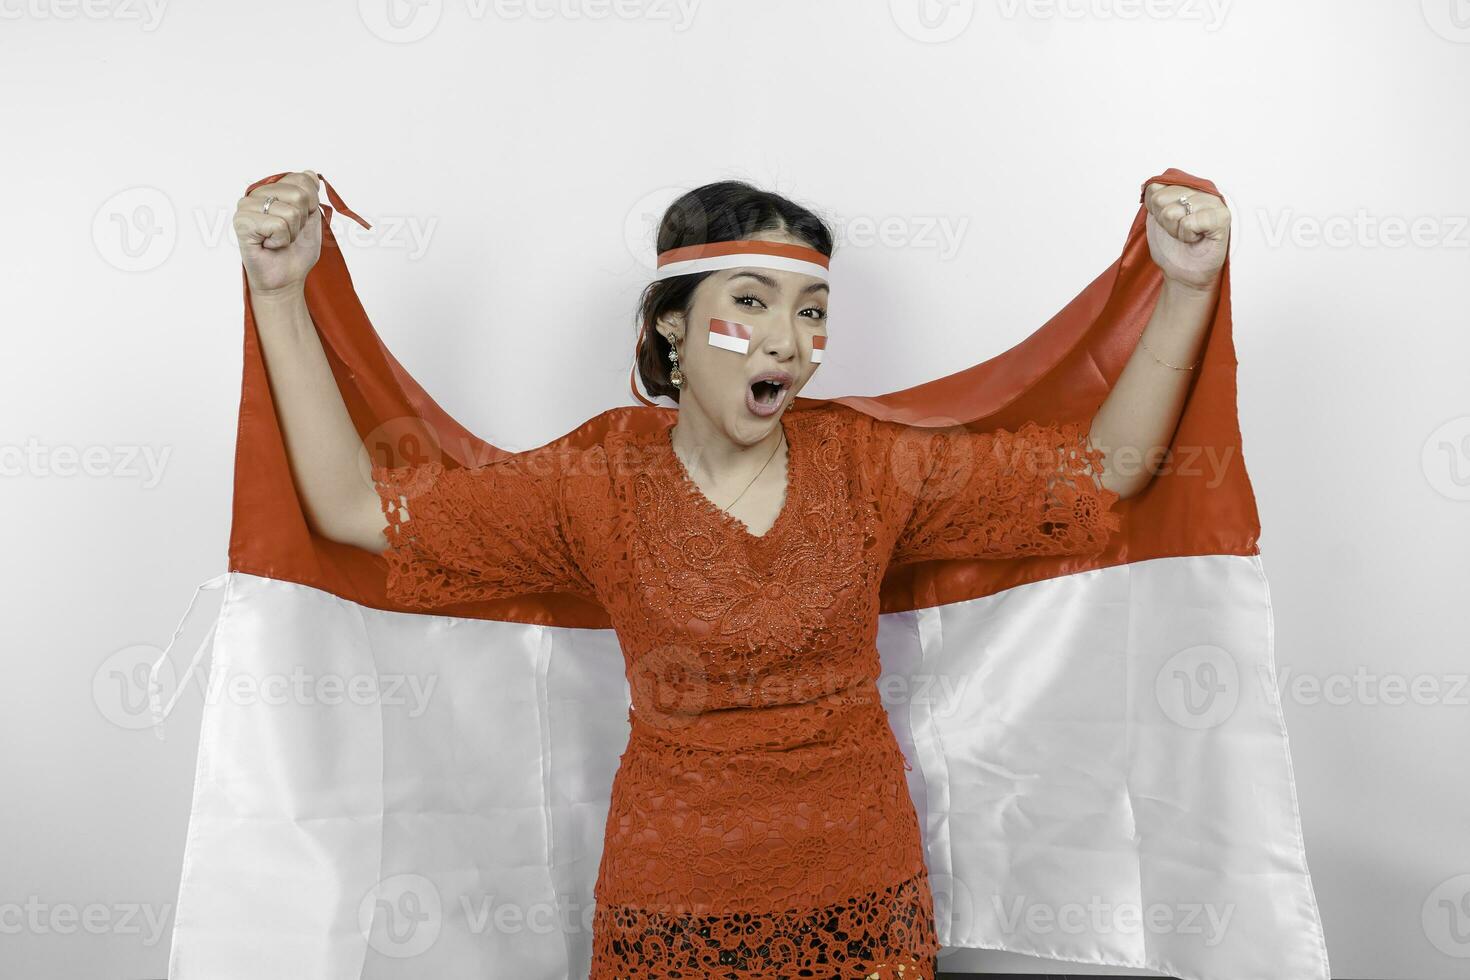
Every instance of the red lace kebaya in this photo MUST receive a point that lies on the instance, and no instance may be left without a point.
(760, 824)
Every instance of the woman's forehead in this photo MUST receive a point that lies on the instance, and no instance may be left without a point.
(783, 280)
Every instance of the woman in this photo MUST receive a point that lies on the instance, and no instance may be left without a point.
(760, 823)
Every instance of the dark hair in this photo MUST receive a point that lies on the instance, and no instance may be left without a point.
(725, 211)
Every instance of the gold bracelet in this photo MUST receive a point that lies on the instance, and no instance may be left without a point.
(1165, 363)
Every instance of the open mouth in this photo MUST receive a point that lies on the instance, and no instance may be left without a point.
(767, 394)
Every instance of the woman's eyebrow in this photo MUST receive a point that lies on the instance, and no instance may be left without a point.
(768, 281)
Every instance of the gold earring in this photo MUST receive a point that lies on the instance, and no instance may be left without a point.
(676, 377)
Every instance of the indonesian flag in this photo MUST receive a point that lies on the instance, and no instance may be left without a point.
(1101, 775)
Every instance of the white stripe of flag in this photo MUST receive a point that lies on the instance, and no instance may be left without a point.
(729, 335)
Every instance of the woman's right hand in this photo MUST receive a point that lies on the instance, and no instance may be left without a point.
(280, 247)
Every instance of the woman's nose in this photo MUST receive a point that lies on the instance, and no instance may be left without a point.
(781, 340)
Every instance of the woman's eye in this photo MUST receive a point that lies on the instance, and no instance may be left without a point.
(821, 314)
(742, 299)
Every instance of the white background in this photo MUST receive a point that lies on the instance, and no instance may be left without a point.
(512, 159)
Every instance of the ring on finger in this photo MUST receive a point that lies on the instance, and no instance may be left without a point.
(269, 200)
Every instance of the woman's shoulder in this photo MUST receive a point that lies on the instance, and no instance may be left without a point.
(855, 429)
(613, 442)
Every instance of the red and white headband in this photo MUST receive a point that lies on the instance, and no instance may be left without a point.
(691, 259)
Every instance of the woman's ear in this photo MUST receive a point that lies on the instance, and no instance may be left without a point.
(672, 327)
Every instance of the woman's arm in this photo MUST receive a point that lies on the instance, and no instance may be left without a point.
(1135, 424)
(329, 463)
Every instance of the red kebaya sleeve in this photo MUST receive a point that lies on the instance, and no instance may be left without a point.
(949, 492)
(482, 532)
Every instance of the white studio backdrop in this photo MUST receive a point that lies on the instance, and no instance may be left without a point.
(980, 162)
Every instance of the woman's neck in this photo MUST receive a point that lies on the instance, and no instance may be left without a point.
(711, 454)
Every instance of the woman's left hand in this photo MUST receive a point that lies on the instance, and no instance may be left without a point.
(1189, 248)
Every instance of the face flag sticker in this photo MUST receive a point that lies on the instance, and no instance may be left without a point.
(819, 344)
(729, 335)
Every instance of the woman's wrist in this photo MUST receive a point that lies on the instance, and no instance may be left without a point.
(1182, 292)
(282, 296)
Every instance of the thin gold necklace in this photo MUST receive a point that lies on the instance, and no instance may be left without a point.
(758, 472)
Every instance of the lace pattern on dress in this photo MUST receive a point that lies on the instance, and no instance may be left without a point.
(478, 533)
(886, 934)
(760, 810)
(951, 493)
